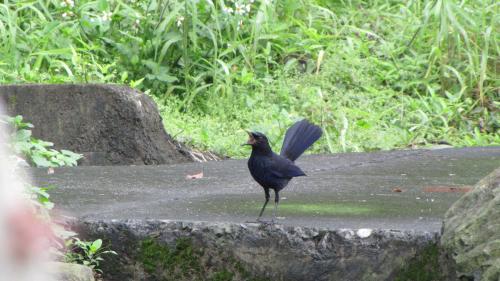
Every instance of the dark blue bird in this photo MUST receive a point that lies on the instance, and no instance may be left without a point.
(273, 171)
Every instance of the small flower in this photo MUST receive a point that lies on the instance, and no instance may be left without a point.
(251, 1)
(66, 3)
(239, 9)
(137, 21)
(106, 16)
(67, 14)
(227, 10)
(180, 19)
(247, 7)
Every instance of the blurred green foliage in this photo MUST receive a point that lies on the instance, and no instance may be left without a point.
(37, 152)
(378, 74)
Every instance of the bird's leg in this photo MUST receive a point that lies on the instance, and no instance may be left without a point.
(276, 202)
(265, 203)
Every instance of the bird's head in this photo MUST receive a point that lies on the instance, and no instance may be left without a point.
(257, 140)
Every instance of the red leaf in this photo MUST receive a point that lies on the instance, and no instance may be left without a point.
(445, 188)
(195, 176)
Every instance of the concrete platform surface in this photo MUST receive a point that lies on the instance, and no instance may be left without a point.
(401, 190)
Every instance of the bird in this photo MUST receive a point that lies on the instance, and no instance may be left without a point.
(273, 171)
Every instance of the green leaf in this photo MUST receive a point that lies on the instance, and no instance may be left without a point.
(96, 245)
(40, 161)
(23, 135)
(102, 5)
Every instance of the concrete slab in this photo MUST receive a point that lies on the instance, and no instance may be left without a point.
(356, 190)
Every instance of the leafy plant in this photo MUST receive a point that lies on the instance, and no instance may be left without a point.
(88, 253)
(36, 151)
(40, 197)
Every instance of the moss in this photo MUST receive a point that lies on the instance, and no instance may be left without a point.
(152, 255)
(327, 209)
(184, 262)
(424, 267)
(171, 264)
(223, 275)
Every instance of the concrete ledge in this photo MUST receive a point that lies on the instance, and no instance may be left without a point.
(174, 250)
(344, 222)
(109, 124)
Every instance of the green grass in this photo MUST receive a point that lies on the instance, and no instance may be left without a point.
(374, 74)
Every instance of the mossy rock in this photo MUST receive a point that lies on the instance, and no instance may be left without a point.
(424, 267)
(471, 232)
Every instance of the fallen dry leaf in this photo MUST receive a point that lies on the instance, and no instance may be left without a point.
(50, 171)
(397, 189)
(445, 188)
(195, 176)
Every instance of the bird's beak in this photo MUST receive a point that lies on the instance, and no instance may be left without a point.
(251, 139)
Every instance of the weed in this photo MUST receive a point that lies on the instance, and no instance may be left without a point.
(88, 253)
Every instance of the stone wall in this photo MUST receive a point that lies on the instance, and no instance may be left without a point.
(170, 250)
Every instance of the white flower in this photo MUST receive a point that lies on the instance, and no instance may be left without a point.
(239, 9)
(69, 3)
(180, 19)
(227, 10)
(137, 21)
(106, 16)
(247, 7)
(267, 2)
(65, 15)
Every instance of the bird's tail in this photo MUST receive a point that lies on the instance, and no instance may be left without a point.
(298, 138)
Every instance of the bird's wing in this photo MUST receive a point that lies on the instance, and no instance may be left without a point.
(284, 168)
